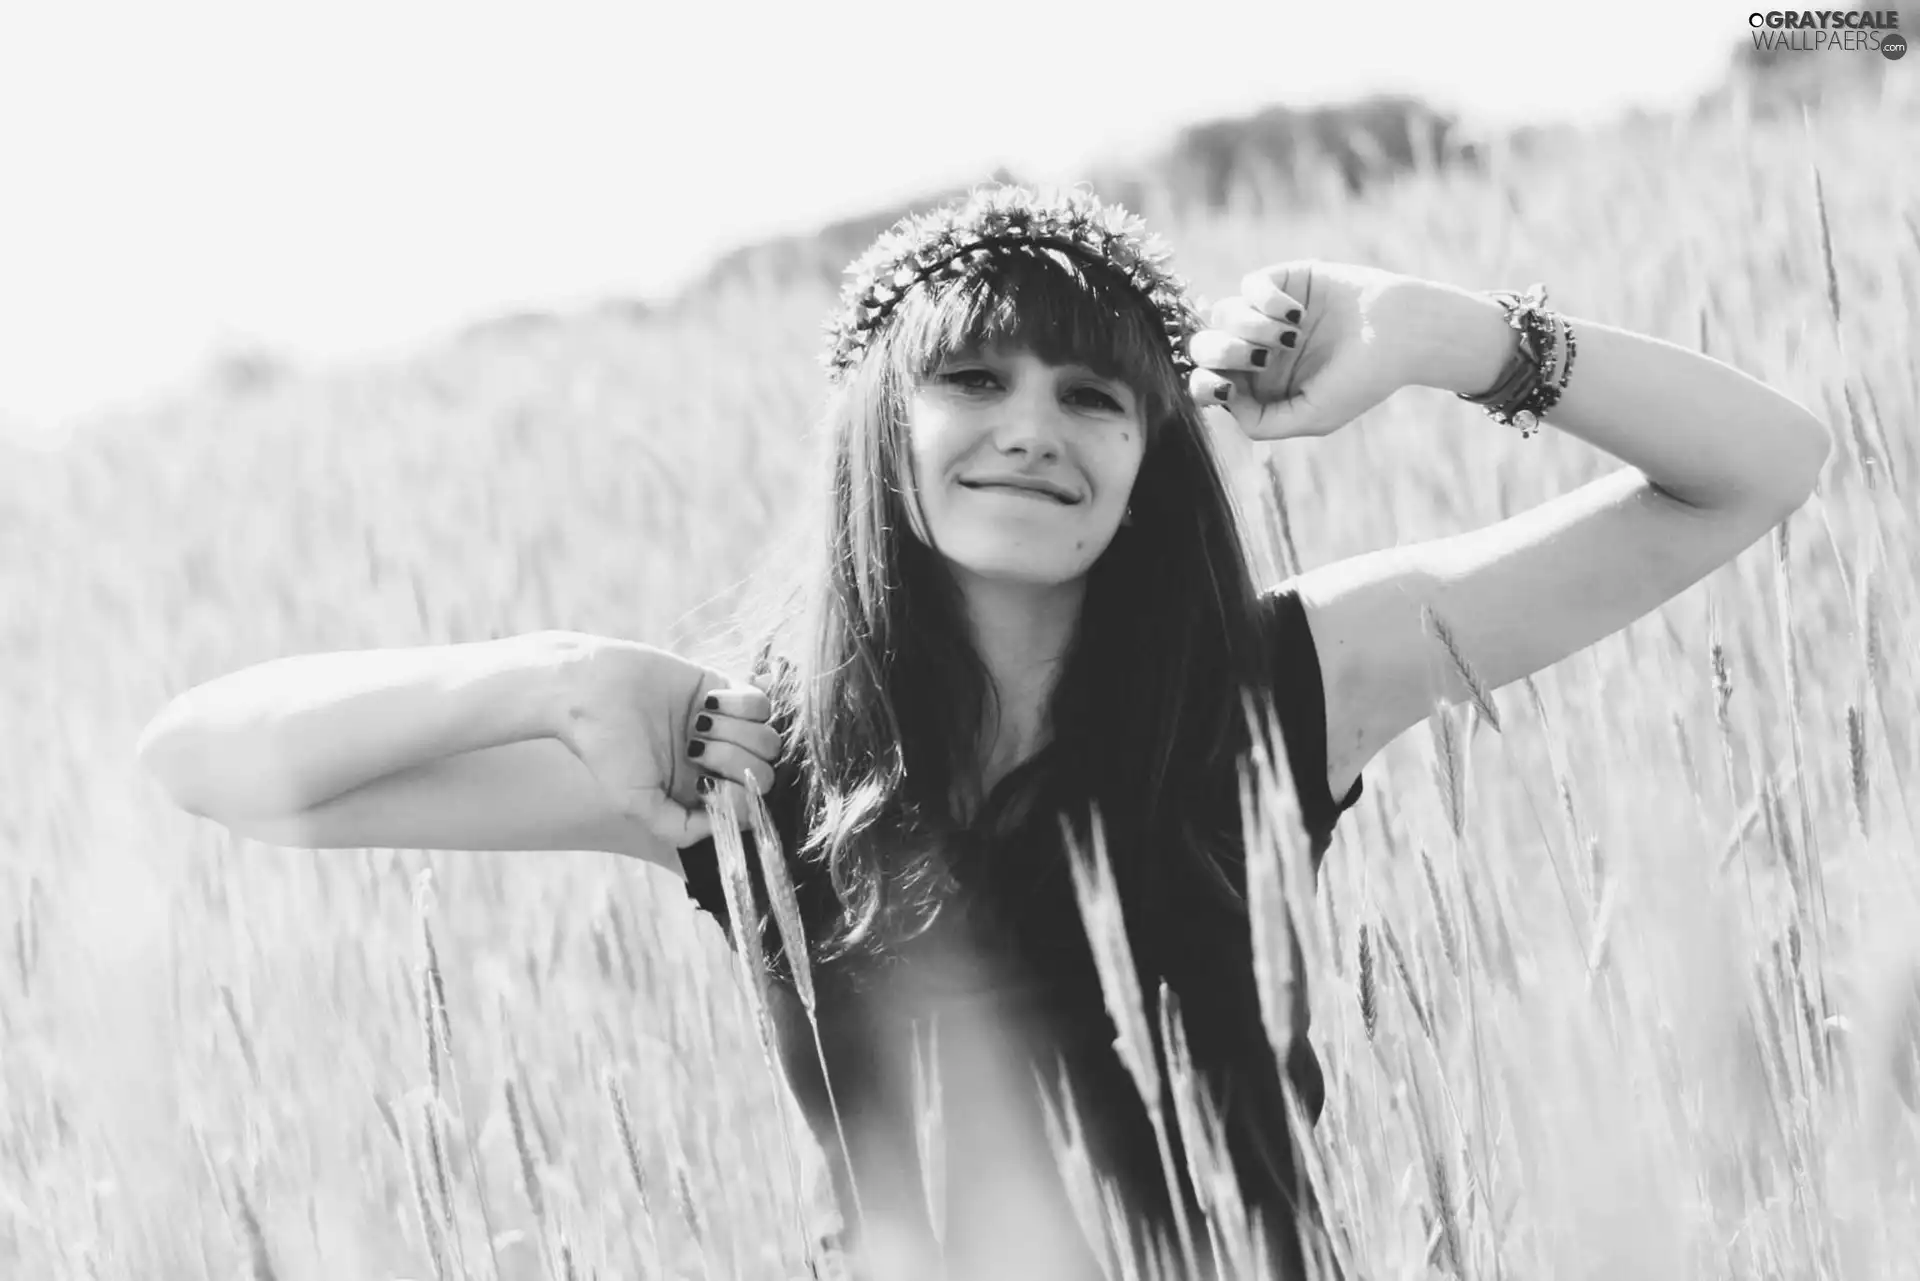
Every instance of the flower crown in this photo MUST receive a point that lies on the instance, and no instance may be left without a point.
(943, 242)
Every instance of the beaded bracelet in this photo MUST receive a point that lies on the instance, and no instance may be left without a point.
(1527, 388)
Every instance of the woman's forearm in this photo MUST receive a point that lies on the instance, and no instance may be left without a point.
(1704, 432)
(282, 736)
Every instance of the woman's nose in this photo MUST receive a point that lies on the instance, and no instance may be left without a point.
(1031, 422)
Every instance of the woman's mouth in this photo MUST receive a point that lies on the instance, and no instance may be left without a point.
(1019, 491)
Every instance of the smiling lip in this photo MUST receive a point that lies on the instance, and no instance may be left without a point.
(1025, 491)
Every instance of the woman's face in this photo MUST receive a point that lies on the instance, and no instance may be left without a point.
(1000, 414)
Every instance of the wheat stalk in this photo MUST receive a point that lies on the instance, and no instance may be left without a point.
(1323, 1248)
(1569, 817)
(1683, 748)
(1873, 457)
(1412, 989)
(1722, 674)
(1857, 765)
(1369, 1003)
(437, 1160)
(1872, 649)
(1816, 875)
(429, 1226)
(743, 917)
(683, 1198)
(1280, 526)
(1439, 1184)
(1086, 1195)
(239, 1026)
(781, 894)
(1276, 977)
(438, 1037)
(1203, 1142)
(529, 1172)
(1436, 626)
(1597, 951)
(1098, 897)
(1449, 767)
(930, 1130)
(1278, 876)
(623, 1129)
(1113, 1212)
(743, 910)
(1873, 652)
(259, 1260)
(1449, 936)
(1332, 925)
(1826, 250)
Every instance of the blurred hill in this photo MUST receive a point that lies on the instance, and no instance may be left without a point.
(1240, 161)
(1307, 160)
(1209, 165)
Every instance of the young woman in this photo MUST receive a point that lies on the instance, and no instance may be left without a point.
(1027, 602)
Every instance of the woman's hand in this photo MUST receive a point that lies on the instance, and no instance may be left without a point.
(650, 725)
(1353, 345)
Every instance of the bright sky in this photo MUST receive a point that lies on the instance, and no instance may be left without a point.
(360, 176)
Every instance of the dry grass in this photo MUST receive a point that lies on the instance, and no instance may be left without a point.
(1624, 987)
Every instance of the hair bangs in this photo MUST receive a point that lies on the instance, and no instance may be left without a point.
(1049, 302)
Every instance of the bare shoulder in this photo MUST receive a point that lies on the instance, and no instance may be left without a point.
(533, 794)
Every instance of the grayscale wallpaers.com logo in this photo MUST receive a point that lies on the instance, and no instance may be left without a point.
(1872, 30)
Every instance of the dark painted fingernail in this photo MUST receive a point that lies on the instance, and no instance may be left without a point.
(1223, 391)
(705, 784)
(713, 703)
(1259, 357)
(695, 747)
(1292, 317)
(1287, 340)
(702, 724)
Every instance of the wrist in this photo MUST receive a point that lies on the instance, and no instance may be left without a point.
(538, 669)
(1466, 341)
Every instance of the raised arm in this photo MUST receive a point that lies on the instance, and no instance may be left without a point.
(1717, 460)
(551, 740)
(285, 735)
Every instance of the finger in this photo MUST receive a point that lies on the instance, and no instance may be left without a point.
(1239, 318)
(757, 737)
(747, 702)
(724, 760)
(1217, 349)
(1239, 406)
(1213, 387)
(678, 825)
(1267, 291)
(718, 794)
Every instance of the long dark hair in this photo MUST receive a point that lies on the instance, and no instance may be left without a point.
(880, 692)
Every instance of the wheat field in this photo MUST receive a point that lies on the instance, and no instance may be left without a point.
(1624, 986)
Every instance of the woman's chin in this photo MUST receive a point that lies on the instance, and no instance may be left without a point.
(1025, 565)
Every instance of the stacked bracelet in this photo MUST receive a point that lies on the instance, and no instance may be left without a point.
(1528, 387)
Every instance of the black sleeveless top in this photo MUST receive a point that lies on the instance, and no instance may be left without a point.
(1028, 1000)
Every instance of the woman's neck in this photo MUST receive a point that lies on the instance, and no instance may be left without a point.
(1022, 635)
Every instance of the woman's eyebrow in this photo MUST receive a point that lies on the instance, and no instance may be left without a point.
(1076, 367)
(1113, 380)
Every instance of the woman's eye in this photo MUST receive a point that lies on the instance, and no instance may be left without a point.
(967, 377)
